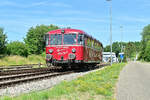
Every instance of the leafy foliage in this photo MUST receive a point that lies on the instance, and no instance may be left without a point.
(146, 33)
(34, 39)
(129, 48)
(17, 48)
(147, 51)
(116, 47)
(144, 54)
(3, 41)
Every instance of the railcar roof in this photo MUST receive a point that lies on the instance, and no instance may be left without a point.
(58, 31)
(69, 30)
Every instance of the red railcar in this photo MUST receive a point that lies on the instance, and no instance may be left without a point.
(70, 47)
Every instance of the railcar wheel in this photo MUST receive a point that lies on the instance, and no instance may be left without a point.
(64, 67)
(49, 64)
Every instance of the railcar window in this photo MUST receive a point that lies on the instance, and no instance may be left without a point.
(92, 43)
(85, 41)
(56, 39)
(47, 39)
(70, 39)
(97, 46)
(88, 42)
(81, 39)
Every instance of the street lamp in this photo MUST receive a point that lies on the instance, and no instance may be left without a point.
(110, 28)
(121, 30)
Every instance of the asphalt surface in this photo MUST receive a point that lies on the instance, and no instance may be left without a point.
(134, 82)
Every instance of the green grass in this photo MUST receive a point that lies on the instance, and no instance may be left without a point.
(19, 60)
(99, 85)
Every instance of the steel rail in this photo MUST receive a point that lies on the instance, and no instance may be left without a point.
(20, 76)
(11, 77)
(27, 79)
(19, 71)
(4, 67)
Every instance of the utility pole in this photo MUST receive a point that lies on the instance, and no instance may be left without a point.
(110, 28)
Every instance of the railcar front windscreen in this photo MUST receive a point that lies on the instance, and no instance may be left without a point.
(56, 39)
(70, 39)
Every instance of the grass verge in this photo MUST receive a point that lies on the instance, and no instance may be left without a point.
(99, 85)
(19, 60)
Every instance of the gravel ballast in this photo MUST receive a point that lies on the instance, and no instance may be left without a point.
(40, 84)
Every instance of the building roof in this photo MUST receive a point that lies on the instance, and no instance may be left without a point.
(108, 53)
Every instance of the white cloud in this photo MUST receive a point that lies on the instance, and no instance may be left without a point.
(85, 19)
(8, 3)
(43, 3)
(70, 12)
(34, 4)
(133, 19)
(54, 4)
(59, 4)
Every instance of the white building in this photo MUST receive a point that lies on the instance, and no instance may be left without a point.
(107, 57)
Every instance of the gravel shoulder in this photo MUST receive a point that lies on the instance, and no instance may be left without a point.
(40, 84)
(134, 82)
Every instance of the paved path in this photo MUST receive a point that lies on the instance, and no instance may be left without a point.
(134, 82)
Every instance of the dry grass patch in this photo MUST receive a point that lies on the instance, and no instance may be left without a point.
(19, 60)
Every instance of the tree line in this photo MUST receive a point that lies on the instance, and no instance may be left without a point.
(131, 49)
(33, 43)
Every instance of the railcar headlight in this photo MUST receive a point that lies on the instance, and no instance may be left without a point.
(50, 50)
(73, 50)
(72, 56)
(48, 56)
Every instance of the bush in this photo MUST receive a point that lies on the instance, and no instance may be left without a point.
(3, 41)
(17, 48)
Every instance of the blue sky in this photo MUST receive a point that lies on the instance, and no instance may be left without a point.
(92, 16)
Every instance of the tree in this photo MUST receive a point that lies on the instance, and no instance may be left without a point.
(34, 39)
(107, 48)
(146, 33)
(147, 51)
(145, 38)
(137, 46)
(17, 48)
(142, 50)
(116, 47)
(3, 41)
(130, 50)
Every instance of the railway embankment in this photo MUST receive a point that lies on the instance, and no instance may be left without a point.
(92, 85)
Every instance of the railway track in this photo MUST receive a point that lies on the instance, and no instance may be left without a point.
(11, 67)
(17, 76)
(13, 80)
(32, 70)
